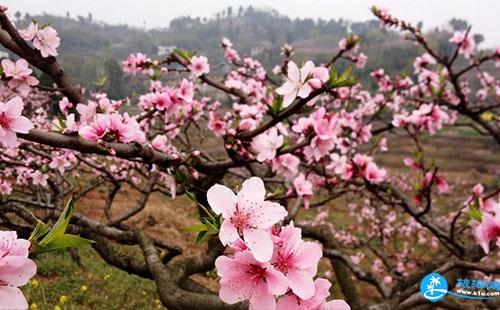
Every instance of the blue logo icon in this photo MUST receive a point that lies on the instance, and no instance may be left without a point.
(433, 287)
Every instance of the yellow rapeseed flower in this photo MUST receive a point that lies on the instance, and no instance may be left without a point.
(33, 306)
(34, 283)
(84, 288)
(63, 299)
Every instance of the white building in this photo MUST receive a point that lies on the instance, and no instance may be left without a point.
(4, 55)
(166, 50)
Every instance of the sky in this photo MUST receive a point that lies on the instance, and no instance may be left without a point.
(482, 14)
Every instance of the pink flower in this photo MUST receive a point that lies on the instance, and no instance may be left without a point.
(478, 189)
(297, 81)
(199, 65)
(231, 54)
(438, 179)
(412, 163)
(488, 230)
(318, 302)
(266, 144)
(39, 178)
(286, 164)
(136, 62)
(303, 188)
(47, 41)
(374, 174)
(11, 122)
(30, 32)
(465, 42)
(361, 60)
(87, 112)
(247, 215)
(5, 188)
(96, 130)
(297, 260)
(216, 124)
(20, 74)
(113, 126)
(65, 105)
(59, 163)
(441, 184)
(15, 270)
(244, 278)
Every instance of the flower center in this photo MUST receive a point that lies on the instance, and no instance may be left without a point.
(256, 272)
(4, 121)
(284, 263)
(240, 220)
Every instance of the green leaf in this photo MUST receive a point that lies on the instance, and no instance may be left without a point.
(196, 228)
(277, 105)
(333, 74)
(101, 81)
(1, 70)
(63, 241)
(201, 237)
(184, 54)
(474, 212)
(61, 224)
(40, 230)
(212, 228)
(345, 79)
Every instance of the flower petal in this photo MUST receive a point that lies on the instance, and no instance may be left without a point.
(269, 214)
(336, 304)
(222, 200)
(21, 125)
(14, 107)
(277, 283)
(301, 283)
(306, 70)
(310, 255)
(12, 298)
(16, 270)
(252, 189)
(228, 232)
(262, 300)
(293, 72)
(260, 244)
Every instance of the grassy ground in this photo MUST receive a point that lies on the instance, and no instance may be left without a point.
(98, 286)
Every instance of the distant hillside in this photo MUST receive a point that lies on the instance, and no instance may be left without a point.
(92, 49)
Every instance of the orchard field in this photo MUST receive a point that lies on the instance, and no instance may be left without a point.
(312, 176)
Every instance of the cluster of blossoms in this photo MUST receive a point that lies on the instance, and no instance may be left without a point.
(465, 43)
(19, 75)
(300, 83)
(379, 224)
(99, 120)
(12, 122)
(268, 262)
(488, 230)
(137, 63)
(230, 53)
(45, 38)
(428, 117)
(15, 270)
